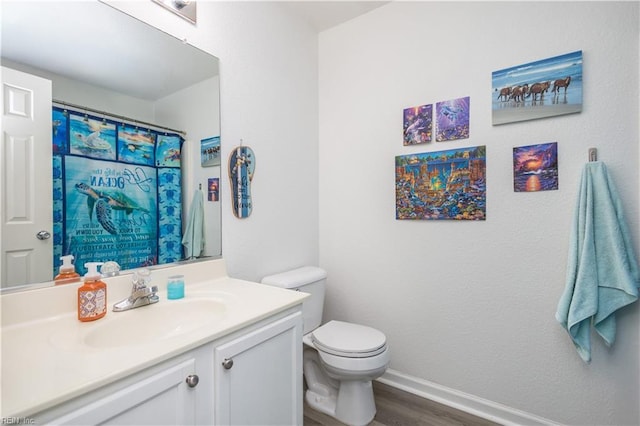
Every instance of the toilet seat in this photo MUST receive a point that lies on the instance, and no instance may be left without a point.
(350, 368)
(348, 340)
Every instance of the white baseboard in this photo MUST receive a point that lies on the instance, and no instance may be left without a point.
(462, 401)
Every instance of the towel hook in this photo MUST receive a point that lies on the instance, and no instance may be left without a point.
(593, 154)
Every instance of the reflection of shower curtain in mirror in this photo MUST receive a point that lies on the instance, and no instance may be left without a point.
(116, 192)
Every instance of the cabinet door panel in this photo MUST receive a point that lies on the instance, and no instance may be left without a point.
(264, 384)
(163, 398)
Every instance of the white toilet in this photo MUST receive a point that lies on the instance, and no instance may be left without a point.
(340, 359)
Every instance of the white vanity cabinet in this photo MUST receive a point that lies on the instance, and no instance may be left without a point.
(252, 376)
(258, 375)
(169, 393)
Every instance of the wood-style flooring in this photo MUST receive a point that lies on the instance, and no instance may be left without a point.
(398, 408)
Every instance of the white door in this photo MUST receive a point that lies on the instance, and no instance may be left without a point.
(25, 180)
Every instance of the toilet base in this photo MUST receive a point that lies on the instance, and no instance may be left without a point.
(350, 401)
(350, 407)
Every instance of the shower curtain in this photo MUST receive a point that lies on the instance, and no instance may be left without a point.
(117, 192)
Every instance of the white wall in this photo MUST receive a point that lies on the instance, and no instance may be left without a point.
(79, 93)
(470, 305)
(196, 108)
(269, 99)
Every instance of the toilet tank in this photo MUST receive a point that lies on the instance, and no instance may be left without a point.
(309, 279)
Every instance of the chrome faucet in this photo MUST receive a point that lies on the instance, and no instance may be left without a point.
(141, 293)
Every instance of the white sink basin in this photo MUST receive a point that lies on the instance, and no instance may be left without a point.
(154, 322)
(165, 319)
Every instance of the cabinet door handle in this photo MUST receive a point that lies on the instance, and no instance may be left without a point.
(227, 363)
(192, 380)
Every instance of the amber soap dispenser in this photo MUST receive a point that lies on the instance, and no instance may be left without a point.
(92, 296)
(68, 272)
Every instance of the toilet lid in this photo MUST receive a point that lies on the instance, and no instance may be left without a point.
(349, 340)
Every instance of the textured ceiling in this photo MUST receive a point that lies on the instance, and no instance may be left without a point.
(326, 14)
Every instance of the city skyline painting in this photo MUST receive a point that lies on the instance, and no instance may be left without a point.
(442, 185)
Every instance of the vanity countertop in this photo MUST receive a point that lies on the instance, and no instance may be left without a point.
(45, 356)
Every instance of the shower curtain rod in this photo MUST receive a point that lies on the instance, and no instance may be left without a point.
(118, 117)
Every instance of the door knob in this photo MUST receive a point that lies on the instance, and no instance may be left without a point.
(43, 235)
(192, 380)
(227, 363)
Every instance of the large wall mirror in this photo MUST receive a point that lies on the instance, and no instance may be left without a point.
(111, 64)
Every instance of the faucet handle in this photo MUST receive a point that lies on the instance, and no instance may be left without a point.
(110, 269)
(141, 278)
(144, 275)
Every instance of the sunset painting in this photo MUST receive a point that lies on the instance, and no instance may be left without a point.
(535, 167)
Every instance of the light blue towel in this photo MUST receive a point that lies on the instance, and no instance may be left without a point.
(193, 239)
(602, 270)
